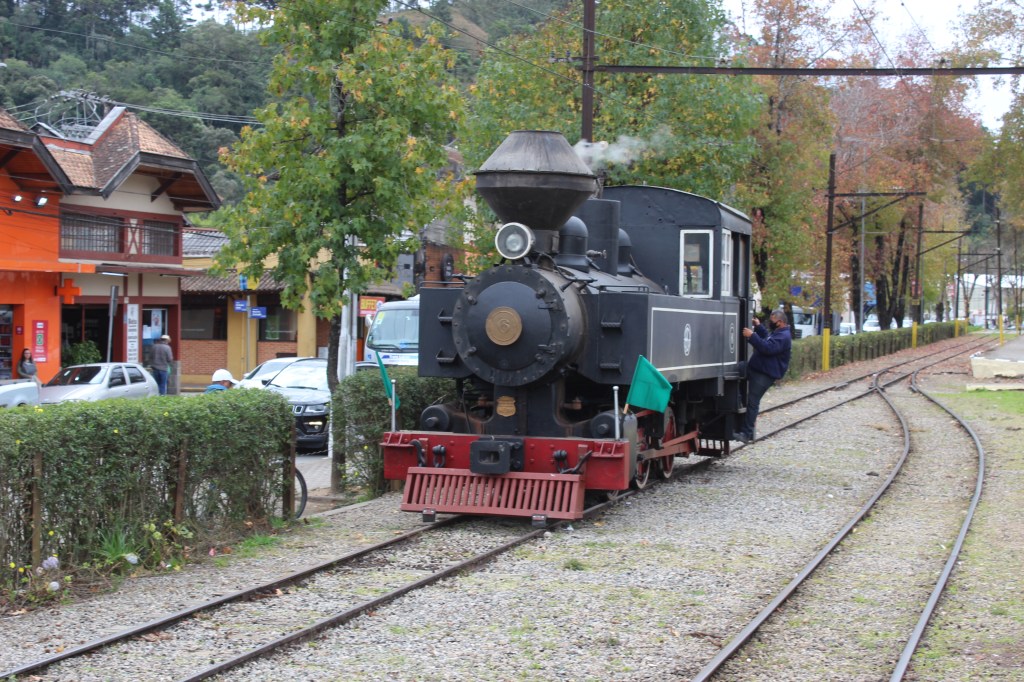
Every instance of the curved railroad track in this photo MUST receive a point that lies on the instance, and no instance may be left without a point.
(885, 542)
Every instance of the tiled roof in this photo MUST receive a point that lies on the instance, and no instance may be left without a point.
(149, 140)
(202, 243)
(123, 136)
(76, 164)
(8, 122)
(206, 284)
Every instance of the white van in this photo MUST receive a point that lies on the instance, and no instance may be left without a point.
(395, 333)
(804, 323)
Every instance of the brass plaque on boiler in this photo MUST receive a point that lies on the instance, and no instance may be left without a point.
(506, 406)
(503, 326)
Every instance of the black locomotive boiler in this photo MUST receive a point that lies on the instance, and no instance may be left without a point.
(543, 346)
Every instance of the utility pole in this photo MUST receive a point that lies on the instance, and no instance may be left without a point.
(826, 320)
(956, 289)
(999, 275)
(587, 129)
(915, 300)
(1017, 281)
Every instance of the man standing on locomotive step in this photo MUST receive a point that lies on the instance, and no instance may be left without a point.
(768, 364)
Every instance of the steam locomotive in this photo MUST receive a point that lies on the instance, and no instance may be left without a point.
(546, 346)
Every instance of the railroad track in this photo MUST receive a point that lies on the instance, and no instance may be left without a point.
(885, 541)
(162, 630)
(302, 605)
(793, 414)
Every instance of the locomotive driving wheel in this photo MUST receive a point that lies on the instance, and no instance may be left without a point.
(643, 473)
(666, 463)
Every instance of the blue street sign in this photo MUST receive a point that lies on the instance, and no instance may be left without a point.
(243, 282)
(258, 312)
(241, 305)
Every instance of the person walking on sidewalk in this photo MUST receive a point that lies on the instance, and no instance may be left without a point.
(161, 362)
(769, 364)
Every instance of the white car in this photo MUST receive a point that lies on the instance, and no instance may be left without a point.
(99, 381)
(264, 372)
(18, 392)
(871, 324)
(847, 328)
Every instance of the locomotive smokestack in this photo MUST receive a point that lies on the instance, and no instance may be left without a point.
(534, 177)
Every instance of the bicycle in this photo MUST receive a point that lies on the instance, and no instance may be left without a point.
(300, 494)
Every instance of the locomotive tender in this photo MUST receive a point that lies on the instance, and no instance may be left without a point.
(544, 345)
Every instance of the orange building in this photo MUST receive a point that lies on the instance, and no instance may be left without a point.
(90, 238)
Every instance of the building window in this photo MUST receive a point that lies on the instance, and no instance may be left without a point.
(695, 275)
(81, 232)
(726, 263)
(159, 238)
(204, 318)
(280, 323)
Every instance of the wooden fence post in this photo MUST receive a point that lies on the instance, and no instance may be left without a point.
(179, 487)
(37, 508)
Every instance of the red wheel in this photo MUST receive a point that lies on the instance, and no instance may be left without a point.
(666, 463)
(643, 474)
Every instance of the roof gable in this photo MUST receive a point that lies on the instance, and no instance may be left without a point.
(123, 145)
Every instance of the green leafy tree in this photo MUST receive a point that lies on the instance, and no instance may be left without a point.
(349, 157)
(688, 132)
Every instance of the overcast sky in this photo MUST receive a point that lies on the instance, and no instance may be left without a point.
(937, 19)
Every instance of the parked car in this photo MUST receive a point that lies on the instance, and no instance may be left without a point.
(304, 383)
(264, 372)
(847, 328)
(871, 324)
(18, 392)
(99, 381)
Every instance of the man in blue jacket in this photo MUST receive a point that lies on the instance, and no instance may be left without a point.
(768, 364)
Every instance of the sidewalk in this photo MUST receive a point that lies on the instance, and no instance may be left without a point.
(1003, 362)
(316, 469)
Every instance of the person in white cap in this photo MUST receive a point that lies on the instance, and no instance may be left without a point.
(222, 381)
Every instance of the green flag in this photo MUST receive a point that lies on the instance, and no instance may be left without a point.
(387, 382)
(649, 389)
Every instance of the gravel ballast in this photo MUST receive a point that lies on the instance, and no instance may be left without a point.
(649, 591)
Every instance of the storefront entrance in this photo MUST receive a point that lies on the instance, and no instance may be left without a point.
(80, 323)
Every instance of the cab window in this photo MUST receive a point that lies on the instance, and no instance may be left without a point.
(695, 273)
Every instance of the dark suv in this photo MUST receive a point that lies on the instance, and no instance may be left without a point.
(304, 383)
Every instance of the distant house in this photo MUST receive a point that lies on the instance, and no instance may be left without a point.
(91, 245)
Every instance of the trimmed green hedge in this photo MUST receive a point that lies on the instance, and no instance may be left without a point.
(361, 416)
(113, 466)
(843, 350)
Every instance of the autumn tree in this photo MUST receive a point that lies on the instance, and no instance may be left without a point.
(686, 132)
(897, 136)
(345, 166)
(781, 187)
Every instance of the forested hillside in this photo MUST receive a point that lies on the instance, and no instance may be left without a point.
(196, 79)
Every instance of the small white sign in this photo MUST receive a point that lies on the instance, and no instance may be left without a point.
(132, 354)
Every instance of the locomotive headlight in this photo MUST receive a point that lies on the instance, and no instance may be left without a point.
(514, 240)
